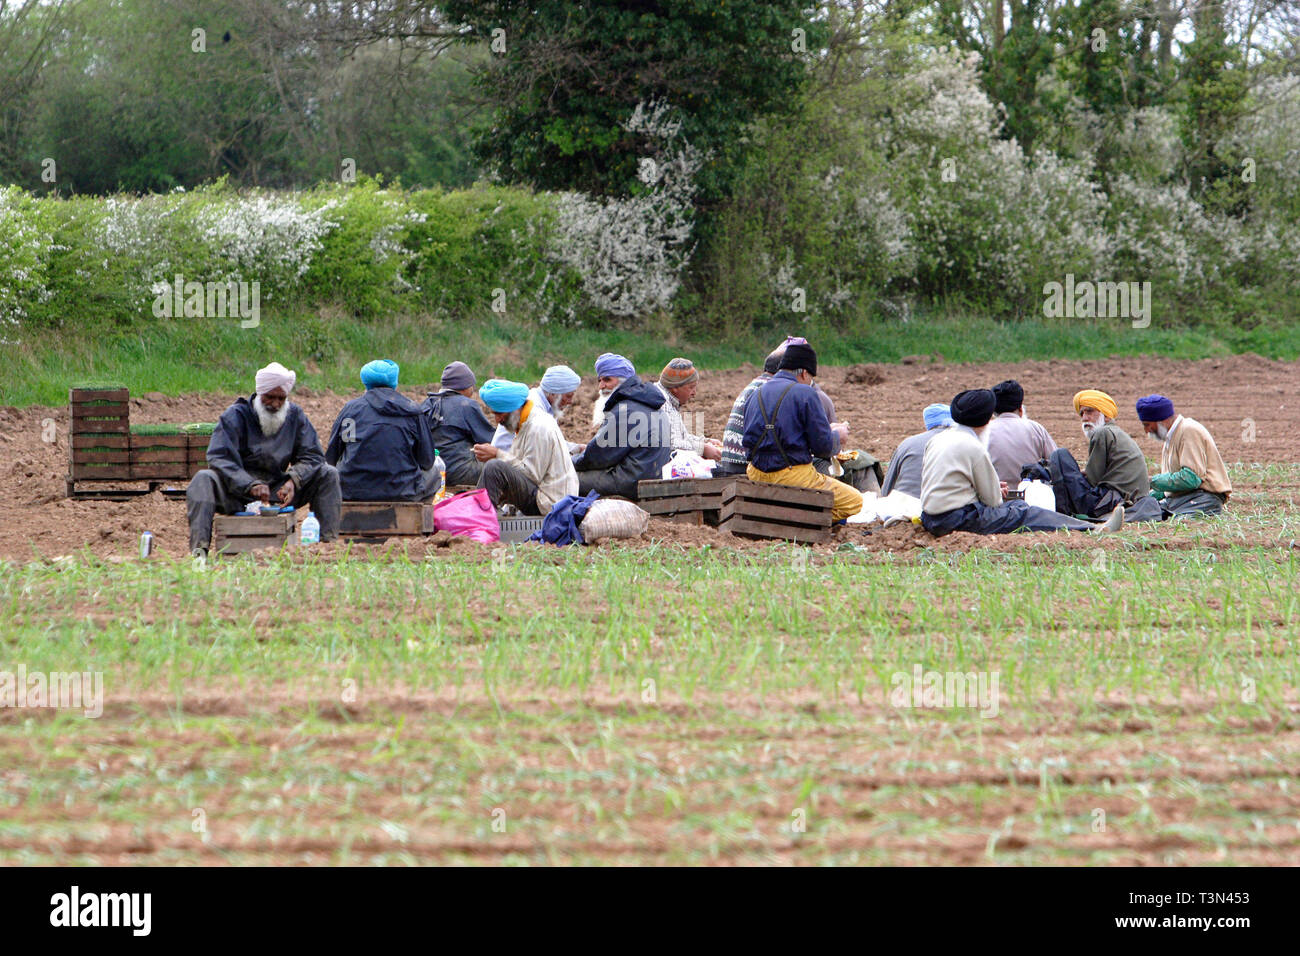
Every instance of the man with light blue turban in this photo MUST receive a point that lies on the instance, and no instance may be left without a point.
(537, 471)
(381, 443)
(904, 472)
(553, 396)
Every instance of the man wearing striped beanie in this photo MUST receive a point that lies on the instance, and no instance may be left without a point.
(678, 382)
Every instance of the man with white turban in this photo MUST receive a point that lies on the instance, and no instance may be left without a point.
(263, 449)
(553, 395)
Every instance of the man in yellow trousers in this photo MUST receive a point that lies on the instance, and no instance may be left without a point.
(786, 427)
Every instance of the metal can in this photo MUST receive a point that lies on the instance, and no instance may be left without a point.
(146, 544)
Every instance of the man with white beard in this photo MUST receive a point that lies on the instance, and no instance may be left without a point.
(263, 449)
(1193, 478)
(1116, 471)
(960, 490)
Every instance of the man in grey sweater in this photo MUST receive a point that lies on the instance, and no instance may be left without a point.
(1015, 439)
(960, 490)
(904, 472)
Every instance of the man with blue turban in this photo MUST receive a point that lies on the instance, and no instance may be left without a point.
(457, 423)
(634, 440)
(536, 472)
(553, 395)
(1193, 478)
(381, 443)
(904, 472)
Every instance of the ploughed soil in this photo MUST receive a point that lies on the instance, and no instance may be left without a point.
(1249, 404)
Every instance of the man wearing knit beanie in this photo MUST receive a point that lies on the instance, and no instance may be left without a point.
(678, 382)
(1193, 479)
(457, 423)
(786, 427)
(960, 490)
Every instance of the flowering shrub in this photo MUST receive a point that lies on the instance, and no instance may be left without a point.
(26, 246)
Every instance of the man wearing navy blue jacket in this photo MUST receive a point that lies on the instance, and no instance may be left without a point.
(786, 427)
(381, 442)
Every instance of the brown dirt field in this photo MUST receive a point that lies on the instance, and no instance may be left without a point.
(881, 403)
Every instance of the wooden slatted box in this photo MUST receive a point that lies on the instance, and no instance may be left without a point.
(757, 510)
(696, 501)
(160, 457)
(384, 519)
(100, 434)
(236, 534)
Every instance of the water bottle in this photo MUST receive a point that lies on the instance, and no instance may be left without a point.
(442, 473)
(310, 529)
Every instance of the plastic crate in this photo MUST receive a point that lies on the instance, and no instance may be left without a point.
(519, 527)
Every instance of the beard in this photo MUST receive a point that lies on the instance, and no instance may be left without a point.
(270, 422)
(598, 410)
(1159, 435)
(511, 422)
(1088, 428)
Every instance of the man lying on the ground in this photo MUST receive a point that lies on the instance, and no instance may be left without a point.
(1116, 472)
(904, 472)
(536, 472)
(733, 460)
(457, 423)
(633, 442)
(1193, 478)
(786, 426)
(553, 395)
(263, 449)
(677, 383)
(1015, 439)
(960, 489)
(381, 443)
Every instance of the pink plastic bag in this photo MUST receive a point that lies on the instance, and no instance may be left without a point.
(469, 513)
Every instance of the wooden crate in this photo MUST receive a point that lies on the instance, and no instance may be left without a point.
(696, 501)
(756, 510)
(160, 457)
(100, 434)
(235, 534)
(385, 519)
(196, 453)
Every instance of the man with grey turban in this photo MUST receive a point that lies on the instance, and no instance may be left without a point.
(263, 449)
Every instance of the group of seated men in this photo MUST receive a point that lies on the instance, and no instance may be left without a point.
(782, 430)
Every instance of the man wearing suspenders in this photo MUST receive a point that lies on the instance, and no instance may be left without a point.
(786, 427)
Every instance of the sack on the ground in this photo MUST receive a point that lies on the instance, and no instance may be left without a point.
(861, 471)
(469, 513)
(687, 464)
(563, 523)
(612, 518)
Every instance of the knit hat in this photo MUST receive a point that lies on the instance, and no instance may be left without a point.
(799, 356)
(457, 377)
(973, 408)
(1154, 408)
(503, 396)
(1008, 395)
(678, 372)
(1092, 398)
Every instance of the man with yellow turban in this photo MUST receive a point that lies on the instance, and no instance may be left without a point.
(1116, 472)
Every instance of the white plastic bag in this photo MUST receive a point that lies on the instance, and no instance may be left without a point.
(687, 464)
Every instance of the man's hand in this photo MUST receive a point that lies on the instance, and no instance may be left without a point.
(485, 452)
(285, 492)
(711, 452)
(261, 490)
(841, 429)
(1003, 486)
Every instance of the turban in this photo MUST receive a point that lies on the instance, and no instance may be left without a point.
(610, 364)
(936, 415)
(457, 376)
(379, 372)
(1009, 396)
(678, 372)
(1092, 398)
(503, 396)
(1154, 408)
(974, 407)
(272, 377)
(560, 380)
(800, 356)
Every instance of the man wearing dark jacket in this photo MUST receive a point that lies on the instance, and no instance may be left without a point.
(264, 449)
(786, 427)
(633, 443)
(458, 423)
(381, 442)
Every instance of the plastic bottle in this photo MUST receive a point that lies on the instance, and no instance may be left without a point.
(442, 471)
(310, 529)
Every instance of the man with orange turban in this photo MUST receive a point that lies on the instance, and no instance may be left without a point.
(1116, 472)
